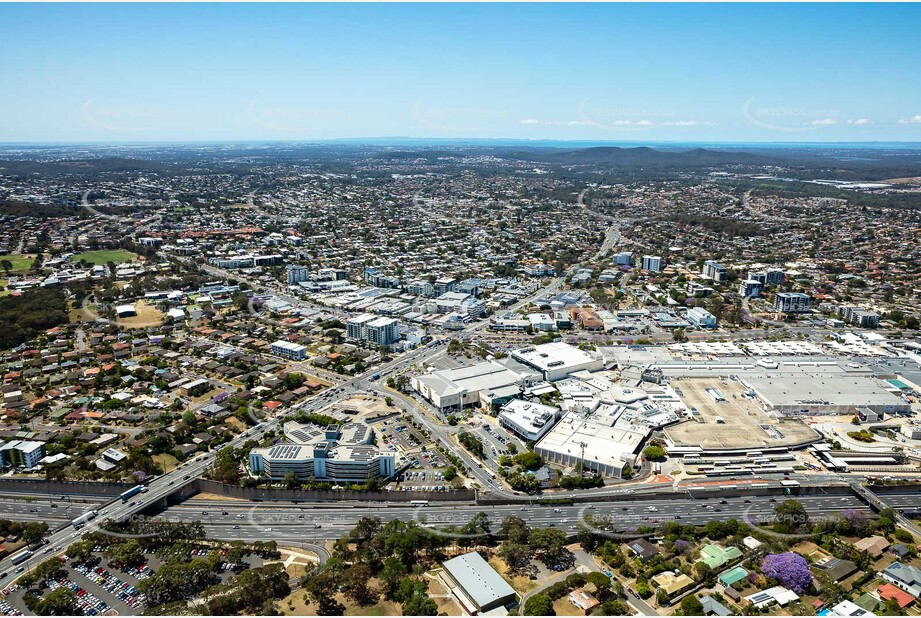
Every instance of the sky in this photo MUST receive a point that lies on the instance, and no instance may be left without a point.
(608, 72)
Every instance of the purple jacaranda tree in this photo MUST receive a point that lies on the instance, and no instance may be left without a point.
(855, 519)
(789, 569)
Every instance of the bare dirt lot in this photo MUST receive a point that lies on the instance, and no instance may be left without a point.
(743, 423)
(146, 316)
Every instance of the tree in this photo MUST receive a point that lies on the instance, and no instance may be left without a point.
(529, 460)
(49, 569)
(478, 525)
(354, 584)
(81, 551)
(60, 602)
(129, 553)
(419, 605)
(790, 515)
(654, 453)
(691, 606)
(414, 596)
(539, 605)
(291, 480)
(549, 545)
(391, 575)
(450, 473)
(515, 529)
(614, 607)
(516, 555)
(789, 569)
(33, 531)
(892, 607)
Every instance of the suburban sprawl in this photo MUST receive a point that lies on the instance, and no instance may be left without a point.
(459, 379)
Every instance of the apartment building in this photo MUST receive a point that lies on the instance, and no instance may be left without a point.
(444, 285)
(374, 277)
(624, 258)
(421, 288)
(372, 329)
(771, 276)
(652, 263)
(858, 317)
(296, 274)
(750, 288)
(792, 302)
(289, 349)
(21, 454)
(715, 271)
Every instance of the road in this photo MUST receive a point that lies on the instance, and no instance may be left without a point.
(287, 520)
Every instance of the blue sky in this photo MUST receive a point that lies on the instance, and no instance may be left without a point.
(660, 72)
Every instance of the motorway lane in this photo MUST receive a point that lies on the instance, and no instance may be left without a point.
(51, 510)
(265, 520)
(907, 500)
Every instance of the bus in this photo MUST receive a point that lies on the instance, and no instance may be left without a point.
(419, 503)
(21, 557)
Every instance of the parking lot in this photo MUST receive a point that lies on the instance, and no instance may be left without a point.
(736, 421)
(104, 589)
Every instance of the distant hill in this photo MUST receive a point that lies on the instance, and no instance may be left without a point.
(645, 156)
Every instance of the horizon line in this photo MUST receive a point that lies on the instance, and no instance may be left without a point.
(449, 140)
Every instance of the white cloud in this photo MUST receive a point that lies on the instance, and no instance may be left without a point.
(912, 120)
(530, 121)
(824, 122)
(858, 122)
(680, 123)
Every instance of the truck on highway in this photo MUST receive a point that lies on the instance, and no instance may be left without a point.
(80, 521)
(126, 495)
(21, 557)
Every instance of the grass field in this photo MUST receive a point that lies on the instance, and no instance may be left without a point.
(104, 256)
(21, 263)
(166, 461)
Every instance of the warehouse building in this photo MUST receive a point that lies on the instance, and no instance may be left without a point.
(476, 585)
(483, 384)
(701, 318)
(125, 311)
(797, 393)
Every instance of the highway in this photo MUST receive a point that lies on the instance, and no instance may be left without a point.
(284, 520)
